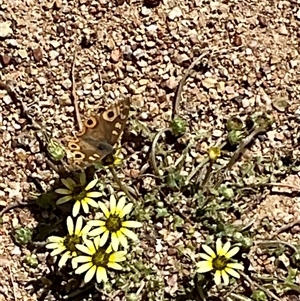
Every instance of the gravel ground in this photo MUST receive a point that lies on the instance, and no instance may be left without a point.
(250, 64)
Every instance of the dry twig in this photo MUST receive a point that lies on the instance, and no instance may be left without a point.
(74, 96)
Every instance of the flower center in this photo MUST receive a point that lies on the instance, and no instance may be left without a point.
(113, 223)
(71, 241)
(79, 194)
(219, 263)
(100, 258)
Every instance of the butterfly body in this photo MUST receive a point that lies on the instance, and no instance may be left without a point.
(98, 136)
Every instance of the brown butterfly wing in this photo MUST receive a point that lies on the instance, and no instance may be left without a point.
(100, 133)
(109, 125)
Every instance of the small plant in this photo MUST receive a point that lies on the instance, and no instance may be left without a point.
(22, 235)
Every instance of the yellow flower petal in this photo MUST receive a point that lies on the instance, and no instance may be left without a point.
(53, 245)
(127, 208)
(232, 252)
(117, 256)
(218, 246)
(76, 208)
(89, 248)
(83, 268)
(86, 229)
(97, 242)
(104, 209)
(204, 266)
(98, 231)
(90, 274)
(109, 249)
(129, 233)
(225, 277)
(225, 249)
(74, 264)
(205, 256)
(91, 185)
(104, 238)
(120, 205)
(131, 224)
(123, 240)
(96, 223)
(232, 272)
(64, 199)
(94, 194)
(91, 202)
(235, 265)
(64, 259)
(112, 204)
(101, 274)
(70, 225)
(63, 191)
(78, 226)
(69, 183)
(57, 239)
(57, 251)
(115, 266)
(114, 241)
(85, 206)
(217, 277)
(209, 251)
(83, 258)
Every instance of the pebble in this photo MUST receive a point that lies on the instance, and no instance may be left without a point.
(37, 54)
(143, 81)
(16, 251)
(14, 189)
(67, 84)
(150, 44)
(175, 13)
(145, 11)
(7, 100)
(298, 14)
(262, 21)
(139, 90)
(217, 133)
(209, 82)
(5, 29)
(5, 59)
(6, 136)
(53, 54)
(42, 80)
(245, 102)
(16, 126)
(283, 30)
(55, 44)
(248, 51)
(139, 53)
(151, 27)
(229, 90)
(23, 53)
(144, 115)
(170, 83)
(130, 68)
(115, 55)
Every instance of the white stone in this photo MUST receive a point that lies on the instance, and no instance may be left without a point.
(175, 13)
(5, 29)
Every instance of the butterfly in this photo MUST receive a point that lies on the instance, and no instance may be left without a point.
(98, 136)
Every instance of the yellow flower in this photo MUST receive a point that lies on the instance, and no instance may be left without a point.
(66, 245)
(219, 262)
(97, 260)
(79, 193)
(114, 224)
(113, 159)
